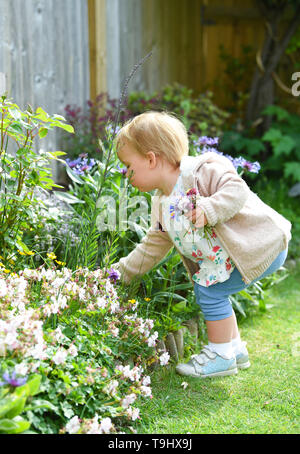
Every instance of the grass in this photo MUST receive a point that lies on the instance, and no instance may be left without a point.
(263, 399)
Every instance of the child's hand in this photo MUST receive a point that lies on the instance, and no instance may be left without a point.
(197, 217)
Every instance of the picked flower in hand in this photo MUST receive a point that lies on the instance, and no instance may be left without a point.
(188, 204)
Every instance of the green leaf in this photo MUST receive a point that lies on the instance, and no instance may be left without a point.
(22, 246)
(11, 426)
(56, 153)
(239, 307)
(15, 127)
(284, 146)
(15, 113)
(7, 404)
(292, 169)
(273, 136)
(254, 146)
(18, 407)
(64, 126)
(280, 113)
(246, 295)
(40, 114)
(73, 175)
(34, 384)
(43, 132)
(40, 403)
(66, 197)
(179, 307)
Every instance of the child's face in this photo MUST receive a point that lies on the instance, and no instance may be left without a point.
(142, 170)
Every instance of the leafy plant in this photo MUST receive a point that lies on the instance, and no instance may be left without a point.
(199, 114)
(86, 341)
(22, 169)
(15, 400)
(278, 148)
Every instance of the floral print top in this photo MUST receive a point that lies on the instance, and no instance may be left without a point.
(202, 247)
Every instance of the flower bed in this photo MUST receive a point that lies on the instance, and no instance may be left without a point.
(89, 346)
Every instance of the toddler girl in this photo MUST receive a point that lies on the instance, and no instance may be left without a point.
(229, 240)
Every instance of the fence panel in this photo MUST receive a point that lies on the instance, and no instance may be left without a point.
(44, 54)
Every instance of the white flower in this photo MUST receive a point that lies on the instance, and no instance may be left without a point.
(58, 335)
(152, 339)
(184, 384)
(60, 356)
(3, 288)
(114, 306)
(111, 387)
(106, 425)
(184, 204)
(133, 413)
(146, 391)
(73, 350)
(146, 381)
(164, 359)
(95, 427)
(58, 282)
(101, 302)
(128, 400)
(115, 331)
(73, 425)
(21, 369)
(37, 352)
(133, 374)
(81, 294)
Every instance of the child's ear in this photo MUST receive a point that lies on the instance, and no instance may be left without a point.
(152, 159)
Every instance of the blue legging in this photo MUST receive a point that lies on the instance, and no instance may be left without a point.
(214, 300)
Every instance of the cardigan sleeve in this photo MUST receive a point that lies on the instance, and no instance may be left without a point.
(152, 249)
(226, 191)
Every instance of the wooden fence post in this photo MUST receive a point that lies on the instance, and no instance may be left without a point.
(97, 38)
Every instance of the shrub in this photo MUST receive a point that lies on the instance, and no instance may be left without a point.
(22, 170)
(200, 115)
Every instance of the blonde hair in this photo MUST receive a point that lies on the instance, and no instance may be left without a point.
(160, 132)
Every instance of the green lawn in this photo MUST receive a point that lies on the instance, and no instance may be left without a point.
(262, 399)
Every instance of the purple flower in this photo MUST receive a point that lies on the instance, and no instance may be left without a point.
(81, 164)
(113, 275)
(122, 170)
(12, 381)
(253, 167)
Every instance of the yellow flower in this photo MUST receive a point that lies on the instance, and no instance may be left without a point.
(1, 257)
(6, 271)
(21, 252)
(51, 256)
(131, 301)
(30, 253)
(60, 263)
(150, 361)
(147, 299)
(1, 264)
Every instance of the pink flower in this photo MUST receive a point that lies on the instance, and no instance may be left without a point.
(192, 191)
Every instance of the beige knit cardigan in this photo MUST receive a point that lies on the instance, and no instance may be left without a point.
(252, 233)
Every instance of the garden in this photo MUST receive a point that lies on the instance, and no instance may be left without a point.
(83, 353)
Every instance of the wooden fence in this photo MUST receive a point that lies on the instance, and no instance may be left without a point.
(44, 54)
(185, 36)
